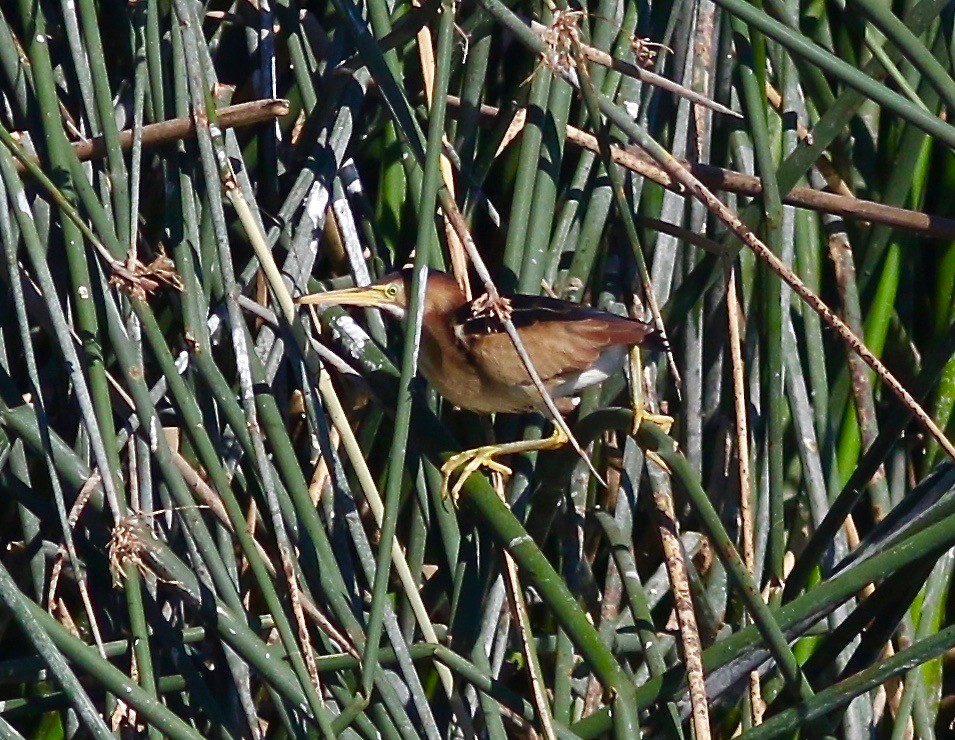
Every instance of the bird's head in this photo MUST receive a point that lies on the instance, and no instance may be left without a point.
(392, 294)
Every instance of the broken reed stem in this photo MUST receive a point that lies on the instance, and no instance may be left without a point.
(729, 181)
(178, 129)
(683, 601)
(735, 320)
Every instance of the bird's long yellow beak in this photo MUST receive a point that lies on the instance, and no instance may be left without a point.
(372, 296)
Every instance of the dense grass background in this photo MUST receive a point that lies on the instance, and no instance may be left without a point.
(222, 516)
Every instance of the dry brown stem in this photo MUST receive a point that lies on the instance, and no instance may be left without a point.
(177, 129)
(747, 527)
(683, 602)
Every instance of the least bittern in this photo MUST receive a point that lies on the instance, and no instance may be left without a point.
(470, 360)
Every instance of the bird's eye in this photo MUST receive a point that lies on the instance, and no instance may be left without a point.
(391, 291)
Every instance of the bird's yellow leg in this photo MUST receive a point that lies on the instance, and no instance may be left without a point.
(640, 411)
(466, 462)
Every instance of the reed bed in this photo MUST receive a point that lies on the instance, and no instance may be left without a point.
(224, 512)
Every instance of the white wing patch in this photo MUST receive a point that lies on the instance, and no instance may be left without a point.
(610, 361)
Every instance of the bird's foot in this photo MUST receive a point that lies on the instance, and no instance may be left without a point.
(467, 462)
(661, 420)
(655, 457)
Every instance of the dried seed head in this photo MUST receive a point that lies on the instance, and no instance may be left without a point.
(561, 38)
(140, 280)
(499, 307)
(125, 547)
(646, 51)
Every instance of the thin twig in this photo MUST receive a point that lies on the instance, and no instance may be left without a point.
(840, 252)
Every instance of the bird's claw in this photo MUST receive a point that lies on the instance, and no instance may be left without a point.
(465, 463)
(655, 457)
(661, 420)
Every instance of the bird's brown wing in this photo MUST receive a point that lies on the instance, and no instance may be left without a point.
(561, 338)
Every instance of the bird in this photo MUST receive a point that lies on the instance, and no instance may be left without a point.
(468, 357)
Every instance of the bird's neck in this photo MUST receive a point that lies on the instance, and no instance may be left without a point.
(443, 299)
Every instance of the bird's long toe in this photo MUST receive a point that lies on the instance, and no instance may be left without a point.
(465, 463)
(642, 414)
(655, 457)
